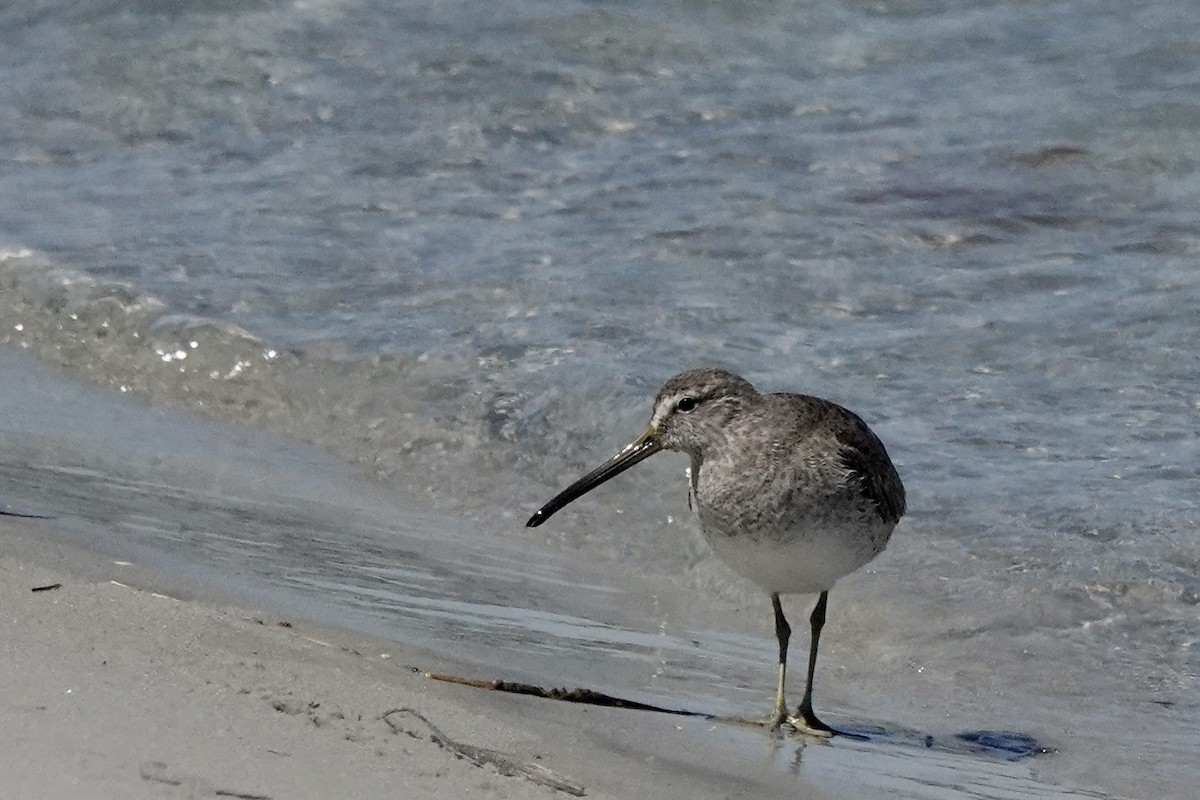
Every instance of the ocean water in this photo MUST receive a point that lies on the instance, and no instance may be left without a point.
(457, 247)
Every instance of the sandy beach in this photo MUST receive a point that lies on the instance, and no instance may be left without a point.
(115, 687)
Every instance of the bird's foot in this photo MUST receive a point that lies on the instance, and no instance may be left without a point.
(775, 720)
(810, 726)
(807, 724)
(805, 721)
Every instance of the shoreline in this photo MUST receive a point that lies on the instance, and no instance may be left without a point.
(118, 687)
(121, 682)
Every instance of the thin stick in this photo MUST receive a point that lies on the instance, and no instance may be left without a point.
(585, 696)
(482, 756)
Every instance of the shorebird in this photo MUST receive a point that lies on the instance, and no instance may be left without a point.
(791, 491)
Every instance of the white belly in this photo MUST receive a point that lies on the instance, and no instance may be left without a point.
(806, 563)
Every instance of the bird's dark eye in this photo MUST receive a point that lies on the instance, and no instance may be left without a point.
(685, 404)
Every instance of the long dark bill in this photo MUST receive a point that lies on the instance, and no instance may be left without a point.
(639, 450)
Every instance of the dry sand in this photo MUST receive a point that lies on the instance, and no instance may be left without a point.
(114, 688)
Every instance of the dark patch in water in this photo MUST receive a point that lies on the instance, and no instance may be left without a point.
(1003, 745)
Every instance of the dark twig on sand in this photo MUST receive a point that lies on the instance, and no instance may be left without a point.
(481, 756)
(159, 772)
(46, 588)
(585, 696)
(8, 511)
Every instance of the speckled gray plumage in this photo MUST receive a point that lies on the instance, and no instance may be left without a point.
(791, 490)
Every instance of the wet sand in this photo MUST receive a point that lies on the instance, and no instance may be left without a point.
(116, 687)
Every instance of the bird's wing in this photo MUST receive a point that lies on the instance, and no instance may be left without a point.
(865, 456)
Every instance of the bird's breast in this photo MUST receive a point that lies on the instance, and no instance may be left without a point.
(764, 501)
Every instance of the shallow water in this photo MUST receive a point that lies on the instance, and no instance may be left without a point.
(459, 247)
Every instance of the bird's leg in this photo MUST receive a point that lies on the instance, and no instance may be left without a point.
(783, 632)
(806, 720)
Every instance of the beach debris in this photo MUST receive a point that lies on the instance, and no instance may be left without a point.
(578, 695)
(46, 588)
(482, 756)
(160, 772)
(8, 511)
